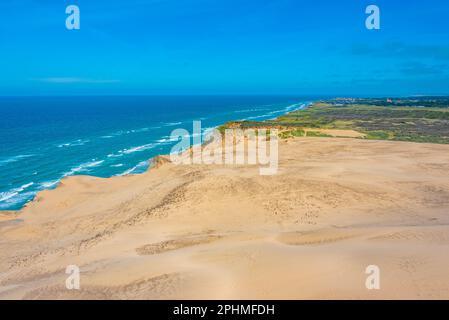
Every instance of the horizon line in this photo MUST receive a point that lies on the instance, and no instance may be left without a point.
(230, 95)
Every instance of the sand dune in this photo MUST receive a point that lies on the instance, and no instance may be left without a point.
(226, 232)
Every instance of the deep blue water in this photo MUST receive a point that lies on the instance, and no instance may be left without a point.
(44, 139)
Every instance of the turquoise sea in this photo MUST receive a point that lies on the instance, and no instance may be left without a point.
(44, 139)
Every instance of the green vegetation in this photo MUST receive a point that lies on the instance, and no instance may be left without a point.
(379, 135)
(415, 119)
(222, 128)
(317, 134)
(292, 133)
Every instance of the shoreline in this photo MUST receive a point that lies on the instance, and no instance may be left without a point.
(334, 133)
(315, 132)
(56, 183)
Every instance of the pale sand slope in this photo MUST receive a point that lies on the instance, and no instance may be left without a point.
(214, 232)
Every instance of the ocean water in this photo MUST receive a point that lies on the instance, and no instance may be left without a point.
(44, 139)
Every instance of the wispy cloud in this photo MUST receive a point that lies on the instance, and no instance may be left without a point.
(70, 80)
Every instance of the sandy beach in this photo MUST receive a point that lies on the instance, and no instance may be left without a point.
(336, 206)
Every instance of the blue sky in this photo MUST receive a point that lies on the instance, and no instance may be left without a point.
(224, 47)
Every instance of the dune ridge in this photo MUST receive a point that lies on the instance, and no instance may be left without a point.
(225, 232)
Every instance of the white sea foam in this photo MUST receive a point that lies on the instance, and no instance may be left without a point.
(171, 124)
(167, 139)
(140, 167)
(138, 149)
(16, 199)
(4, 196)
(7, 195)
(141, 148)
(122, 132)
(164, 140)
(255, 117)
(170, 139)
(14, 159)
(113, 155)
(140, 130)
(278, 112)
(75, 143)
(49, 184)
(249, 110)
(117, 165)
(23, 187)
(83, 167)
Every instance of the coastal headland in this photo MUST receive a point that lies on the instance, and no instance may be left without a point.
(350, 195)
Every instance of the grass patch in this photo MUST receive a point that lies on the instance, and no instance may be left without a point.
(292, 133)
(317, 134)
(379, 135)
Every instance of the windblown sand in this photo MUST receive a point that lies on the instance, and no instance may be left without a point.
(335, 207)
